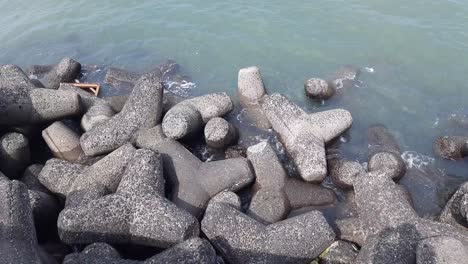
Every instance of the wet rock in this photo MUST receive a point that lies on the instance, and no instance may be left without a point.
(194, 182)
(66, 71)
(14, 154)
(459, 120)
(441, 250)
(340, 252)
(121, 78)
(96, 115)
(18, 242)
(63, 142)
(21, 103)
(58, 175)
(451, 147)
(250, 90)
(192, 251)
(219, 133)
(319, 89)
(344, 77)
(241, 239)
(236, 151)
(389, 162)
(381, 140)
(343, 172)
(137, 213)
(454, 212)
(142, 110)
(186, 119)
(304, 135)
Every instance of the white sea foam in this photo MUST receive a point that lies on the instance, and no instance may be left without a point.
(369, 69)
(416, 160)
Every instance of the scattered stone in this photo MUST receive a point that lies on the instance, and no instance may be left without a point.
(137, 213)
(343, 172)
(96, 115)
(66, 71)
(18, 242)
(241, 239)
(63, 142)
(21, 103)
(388, 161)
(14, 154)
(451, 147)
(319, 89)
(340, 252)
(381, 140)
(454, 212)
(193, 182)
(441, 250)
(186, 119)
(142, 110)
(250, 90)
(219, 133)
(191, 251)
(304, 135)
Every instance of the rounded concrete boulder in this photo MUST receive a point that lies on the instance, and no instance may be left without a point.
(14, 154)
(67, 70)
(219, 133)
(389, 162)
(250, 86)
(319, 89)
(451, 147)
(343, 172)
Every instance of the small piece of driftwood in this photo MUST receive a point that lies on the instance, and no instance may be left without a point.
(89, 87)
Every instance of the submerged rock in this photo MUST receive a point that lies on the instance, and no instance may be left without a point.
(344, 77)
(241, 239)
(304, 135)
(194, 182)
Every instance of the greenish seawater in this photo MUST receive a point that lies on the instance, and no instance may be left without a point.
(418, 51)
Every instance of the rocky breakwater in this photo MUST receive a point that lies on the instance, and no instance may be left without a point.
(118, 182)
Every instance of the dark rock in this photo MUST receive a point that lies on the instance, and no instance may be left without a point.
(250, 90)
(441, 250)
(18, 242)
(344, 77)
(21, 103)
(340, 252)
(121, 78)
(187, 118)
(269, 205)
(241, 239)
(63, 142)
(236, 151)
(142, 110)
(137, 213)
(219, 133)
(14, 154)
(319, 89)
(31, 178)
(454, 212)
(38, 70)
(451, 147)
(192, 251)
(66, 71)
(304, 135)
(194, 182)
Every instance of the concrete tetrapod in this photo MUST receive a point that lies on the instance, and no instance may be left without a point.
(136, 213)
(194, 182)
(304, 135)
